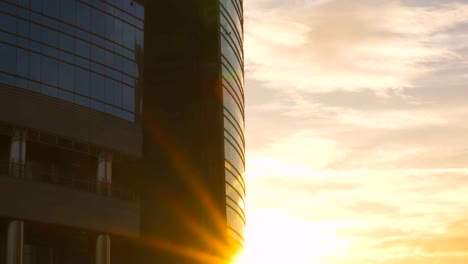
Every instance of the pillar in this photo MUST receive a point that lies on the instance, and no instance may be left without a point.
(18, 152)
(103, 249)
(104, 173)
(15, 242)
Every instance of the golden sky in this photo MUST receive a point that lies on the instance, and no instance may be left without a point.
(357, 131)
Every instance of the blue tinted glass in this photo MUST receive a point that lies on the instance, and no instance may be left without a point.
(98, 87)
(23, 28)
(67, 96)
(7, 79)
(82, 48)
(8, 58)
(49, 71)
(50, 37)
(23, 13)
(36, 32)
(67, 43)
(8, 22)
(118, 62)
(22, 65)
(49, 51)
(109, 91)
(83, 62)
(36, 5)
(50, 8)
(24, 3)
(34, 66)
(110, 27)
(67, 11)
(67, 57)
(99, 22)
(97, 54)
(117, 94)
(34, 86)
(48, 90)
(83, 16)
(139, 38)
(9, 38)
(82, 79)
(98, 105)
(82, 101)
(118, 30)
(66, 76)
(139, 11)
(128, 98)
(109, 58)
(128, 36)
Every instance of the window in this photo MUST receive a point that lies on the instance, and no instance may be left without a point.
(49, 71)
(22, 65)
(34, 66)
(99, 22)
(50, 8)
(82, 48)
(66, 76)
(98, 87)
(129, 36)
(82, 81)
(23, 28)
(67, 11)
(83, 16)
(50, 37)
(8, 23)
(128, 94)
(36, 5)
(8, 61)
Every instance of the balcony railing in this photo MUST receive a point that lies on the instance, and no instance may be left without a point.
(87, 184)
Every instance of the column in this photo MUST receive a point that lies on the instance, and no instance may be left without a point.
(104, 181)
(15, 242)
(103, 249)
(104, 174)
(18, 152)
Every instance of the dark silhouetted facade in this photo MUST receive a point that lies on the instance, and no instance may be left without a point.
(121, 131)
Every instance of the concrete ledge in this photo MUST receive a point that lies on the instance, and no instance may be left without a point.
(51, 204)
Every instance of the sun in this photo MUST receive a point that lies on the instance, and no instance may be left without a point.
(274, 238)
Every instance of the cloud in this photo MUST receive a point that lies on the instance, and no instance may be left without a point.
(348, 45)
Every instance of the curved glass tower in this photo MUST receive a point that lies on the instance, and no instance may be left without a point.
(232, 63)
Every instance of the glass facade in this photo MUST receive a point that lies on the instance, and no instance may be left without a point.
(80, 51)
(232, 67)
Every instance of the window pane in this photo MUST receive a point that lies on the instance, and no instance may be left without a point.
(82, 48)
(82, 81)
(49, 71)
(50, 37)
(128, 98)
(66, 76)
(67, 43)
(99, 22)
(8, 22)
(22, 65)
(83, 16)
(128, 36)
(67, 11)
(23, 28)
(8, 61)
(34, 66)
(98, 86)
(51, 8)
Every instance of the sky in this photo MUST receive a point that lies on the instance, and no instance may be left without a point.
(357, 132)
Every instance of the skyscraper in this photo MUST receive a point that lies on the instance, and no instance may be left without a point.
(121, 135)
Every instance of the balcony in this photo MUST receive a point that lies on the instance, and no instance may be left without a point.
(36, 173)
(32, 193)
